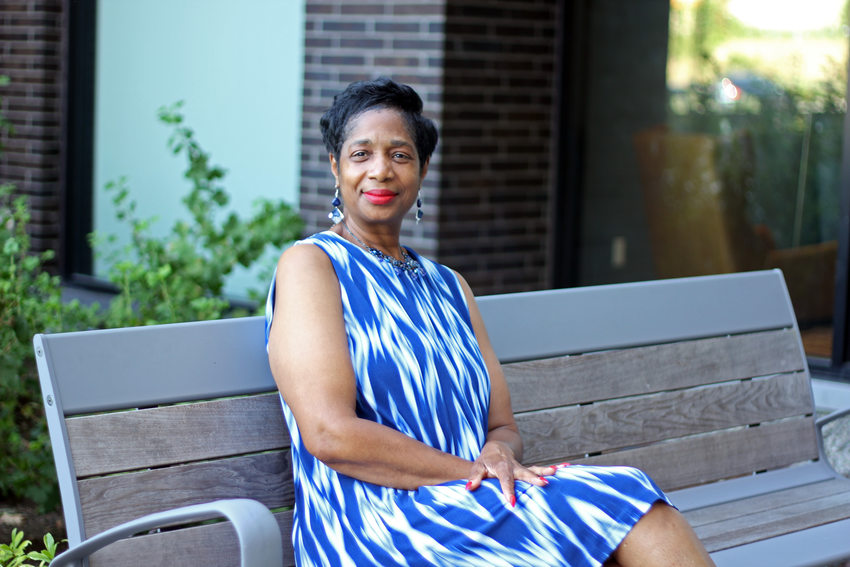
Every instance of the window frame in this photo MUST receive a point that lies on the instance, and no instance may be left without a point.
(76, 258)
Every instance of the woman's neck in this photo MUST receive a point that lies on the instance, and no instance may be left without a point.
(385, 241)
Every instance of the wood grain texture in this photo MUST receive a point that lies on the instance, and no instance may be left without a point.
(214, 544)
(749, 527)
(111, 500)
(640, 420)
(585, 378)
(123, 441)
(765, 502)
(701, 459)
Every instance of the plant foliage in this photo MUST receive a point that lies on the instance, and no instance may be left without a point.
(161, 279)
(180, 277)
(15, 554)
(30, 302)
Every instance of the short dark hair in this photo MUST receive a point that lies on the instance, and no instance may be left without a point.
(360, 96)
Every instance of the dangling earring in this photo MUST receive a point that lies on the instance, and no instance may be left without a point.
(419, 213)
(336, 215)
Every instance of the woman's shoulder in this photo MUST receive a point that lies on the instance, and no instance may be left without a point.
(303, 275)
(320, 240)
(309, 257)
(311, 249)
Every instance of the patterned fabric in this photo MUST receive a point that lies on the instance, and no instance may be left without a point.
(419, 370)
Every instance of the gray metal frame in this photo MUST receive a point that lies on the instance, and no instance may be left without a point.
(259, 537)
(585, 319)
(166, 354)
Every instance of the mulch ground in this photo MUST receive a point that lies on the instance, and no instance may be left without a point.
(25, 517)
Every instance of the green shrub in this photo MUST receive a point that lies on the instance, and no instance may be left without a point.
(15, 554)
(177, 277)
(30, 302)
(180, 277)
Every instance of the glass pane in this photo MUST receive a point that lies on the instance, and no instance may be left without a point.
(743, 172)
(155, 53)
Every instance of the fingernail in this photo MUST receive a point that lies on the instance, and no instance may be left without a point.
(513, 501)
(545, 481)
(563, 465)
(469, 485)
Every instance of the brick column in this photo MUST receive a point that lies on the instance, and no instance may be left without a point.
(498, 92)
(32, 44)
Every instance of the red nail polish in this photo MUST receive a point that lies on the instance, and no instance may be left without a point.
(513, 501)
(545, 480)
(469, 485)
(563, 465)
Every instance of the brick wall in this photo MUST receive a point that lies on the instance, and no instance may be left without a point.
(485, 69)
(497, 129)
(31, 55)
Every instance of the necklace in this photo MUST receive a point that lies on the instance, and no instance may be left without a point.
(406, 264)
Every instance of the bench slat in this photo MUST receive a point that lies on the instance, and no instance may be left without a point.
(554, 382)
(726, 454)
(745, 528)
(614, 424)
(766, 502)
(714, 494)
(129, 440)
(110, 500)
(214, 544)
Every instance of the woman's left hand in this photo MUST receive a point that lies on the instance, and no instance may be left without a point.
(497, 461)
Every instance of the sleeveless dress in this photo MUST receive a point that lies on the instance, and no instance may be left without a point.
(419, 370)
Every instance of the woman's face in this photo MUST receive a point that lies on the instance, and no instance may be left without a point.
(378, 173)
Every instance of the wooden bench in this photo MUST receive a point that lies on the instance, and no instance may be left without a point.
(702, 382)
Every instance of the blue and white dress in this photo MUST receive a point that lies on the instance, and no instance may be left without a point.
(419, 370)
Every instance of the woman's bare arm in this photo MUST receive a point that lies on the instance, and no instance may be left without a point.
(501, 455)
(310, 361)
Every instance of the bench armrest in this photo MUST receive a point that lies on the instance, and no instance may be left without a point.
(837, 414)
(260, 542)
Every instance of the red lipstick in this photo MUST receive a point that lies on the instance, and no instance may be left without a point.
(379, 196)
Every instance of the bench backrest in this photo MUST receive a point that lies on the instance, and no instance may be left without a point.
(694, 380)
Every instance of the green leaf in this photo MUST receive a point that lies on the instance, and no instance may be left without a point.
(11, 247)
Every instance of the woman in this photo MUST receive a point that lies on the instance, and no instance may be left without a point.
(405, 450)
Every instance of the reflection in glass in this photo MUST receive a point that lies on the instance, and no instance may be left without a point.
(745, 174)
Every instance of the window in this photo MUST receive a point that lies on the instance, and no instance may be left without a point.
(238, 69)
(710, 141)
(757, 97)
